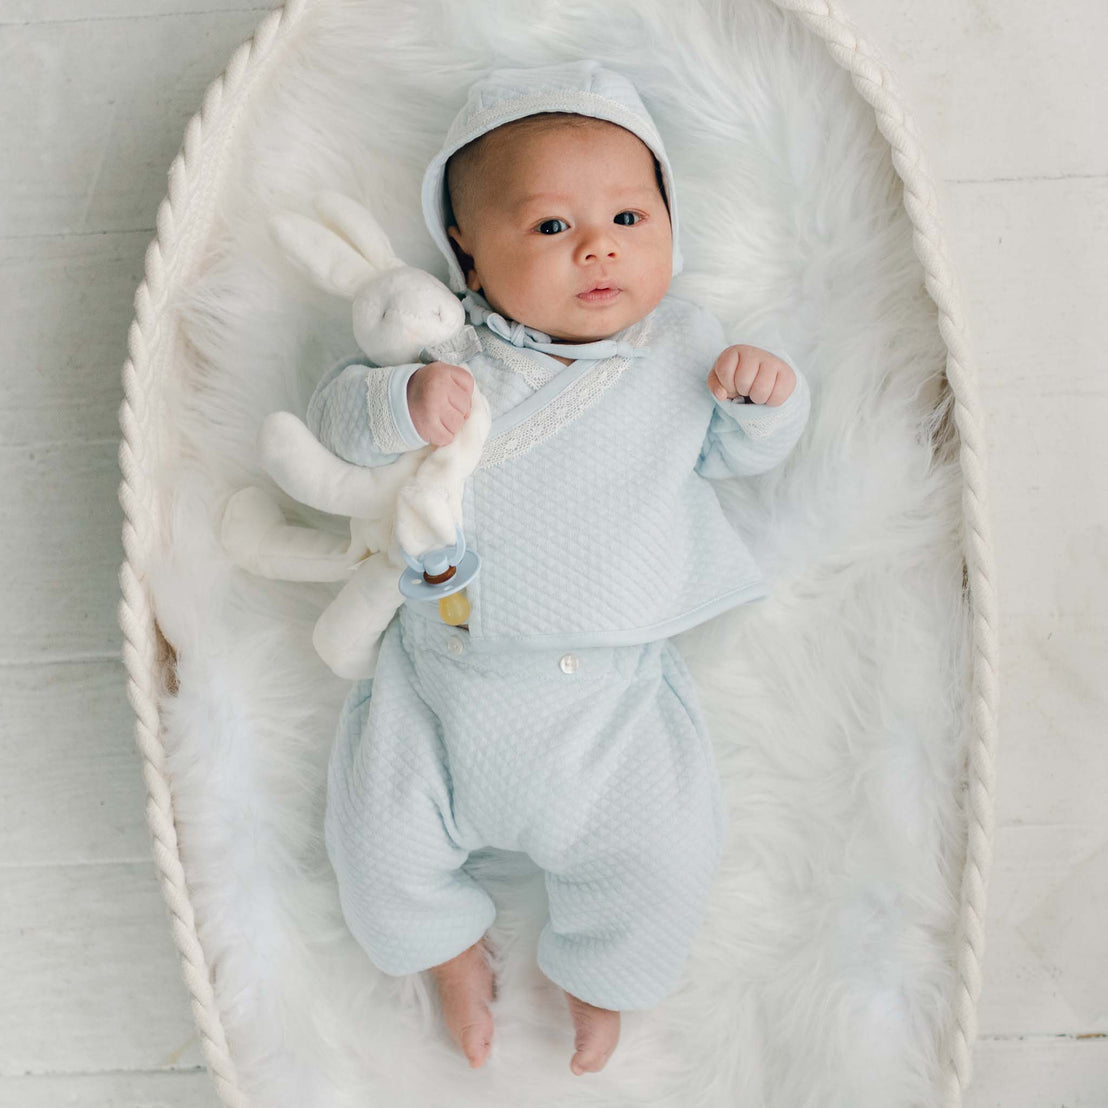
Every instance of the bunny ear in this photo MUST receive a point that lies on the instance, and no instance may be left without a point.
(356, 223)
(332, 263)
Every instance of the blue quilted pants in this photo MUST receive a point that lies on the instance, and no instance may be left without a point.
(597, 763)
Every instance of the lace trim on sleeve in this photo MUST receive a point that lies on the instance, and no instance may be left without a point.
(386, 435)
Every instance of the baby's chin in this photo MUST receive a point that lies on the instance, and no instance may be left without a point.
(591, 324)
(583, 322)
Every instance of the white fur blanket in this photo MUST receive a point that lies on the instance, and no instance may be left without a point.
(824, 974)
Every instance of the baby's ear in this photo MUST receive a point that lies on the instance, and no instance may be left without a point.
(456, 241)
(465, 261)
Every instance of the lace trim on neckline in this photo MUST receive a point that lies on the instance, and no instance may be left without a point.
(572, 402)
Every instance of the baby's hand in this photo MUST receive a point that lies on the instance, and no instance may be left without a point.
(439, 397)
(750, 372)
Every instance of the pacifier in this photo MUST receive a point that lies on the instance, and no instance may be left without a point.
(442, 574)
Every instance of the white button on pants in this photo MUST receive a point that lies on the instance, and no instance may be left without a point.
(454, 645)
(568, 663)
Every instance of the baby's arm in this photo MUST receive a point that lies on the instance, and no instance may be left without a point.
(744, 439)
(362, 413)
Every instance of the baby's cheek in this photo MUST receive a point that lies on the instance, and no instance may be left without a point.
(652, 291)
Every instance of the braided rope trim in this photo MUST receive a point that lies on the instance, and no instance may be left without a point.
(874, 82)
(193, 178)
(183, 219)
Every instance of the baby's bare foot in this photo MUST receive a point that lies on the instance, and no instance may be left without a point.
(466, 986)
(597, 1032)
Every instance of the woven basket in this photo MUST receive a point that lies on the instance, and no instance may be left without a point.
(183, 225)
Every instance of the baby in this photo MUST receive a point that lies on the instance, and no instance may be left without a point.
(560, 720)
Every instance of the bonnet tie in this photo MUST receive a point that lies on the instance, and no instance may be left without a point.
(479, 310)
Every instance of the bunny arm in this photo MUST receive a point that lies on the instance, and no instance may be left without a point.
(311, 474)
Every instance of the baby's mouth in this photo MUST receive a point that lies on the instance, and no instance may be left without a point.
(599, 294)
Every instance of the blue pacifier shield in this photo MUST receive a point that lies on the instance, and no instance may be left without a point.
(466, 562)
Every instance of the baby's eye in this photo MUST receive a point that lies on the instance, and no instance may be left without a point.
(619, 218)
(547, 222)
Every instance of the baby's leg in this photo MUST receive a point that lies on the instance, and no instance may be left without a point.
(627, 896)
(396, 849)
(389, 835)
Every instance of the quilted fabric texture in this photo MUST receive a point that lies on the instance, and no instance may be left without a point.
(608, 532)
(598, 764)
(339, 413)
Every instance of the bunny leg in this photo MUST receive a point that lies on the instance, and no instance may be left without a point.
(347, 634)
(257, 538)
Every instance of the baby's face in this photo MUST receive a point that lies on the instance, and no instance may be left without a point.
(561, 212)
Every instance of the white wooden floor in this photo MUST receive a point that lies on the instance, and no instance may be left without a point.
(1012, 98)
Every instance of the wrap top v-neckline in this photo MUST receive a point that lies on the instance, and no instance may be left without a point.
(613, 356)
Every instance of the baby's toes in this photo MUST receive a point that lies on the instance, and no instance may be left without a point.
(476, 1041)
(595, 1038)
(589, 1060)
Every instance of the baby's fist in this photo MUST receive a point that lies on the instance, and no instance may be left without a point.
(750, 372)
(439, 398)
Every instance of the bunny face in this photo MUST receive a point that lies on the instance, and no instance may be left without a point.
(397, 309)
(402, 310)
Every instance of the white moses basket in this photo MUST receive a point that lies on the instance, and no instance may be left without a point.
(853, 711)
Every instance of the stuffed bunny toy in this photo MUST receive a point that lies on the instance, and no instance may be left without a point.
(414, 502)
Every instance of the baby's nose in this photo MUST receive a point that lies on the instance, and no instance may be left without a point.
(600, 245)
